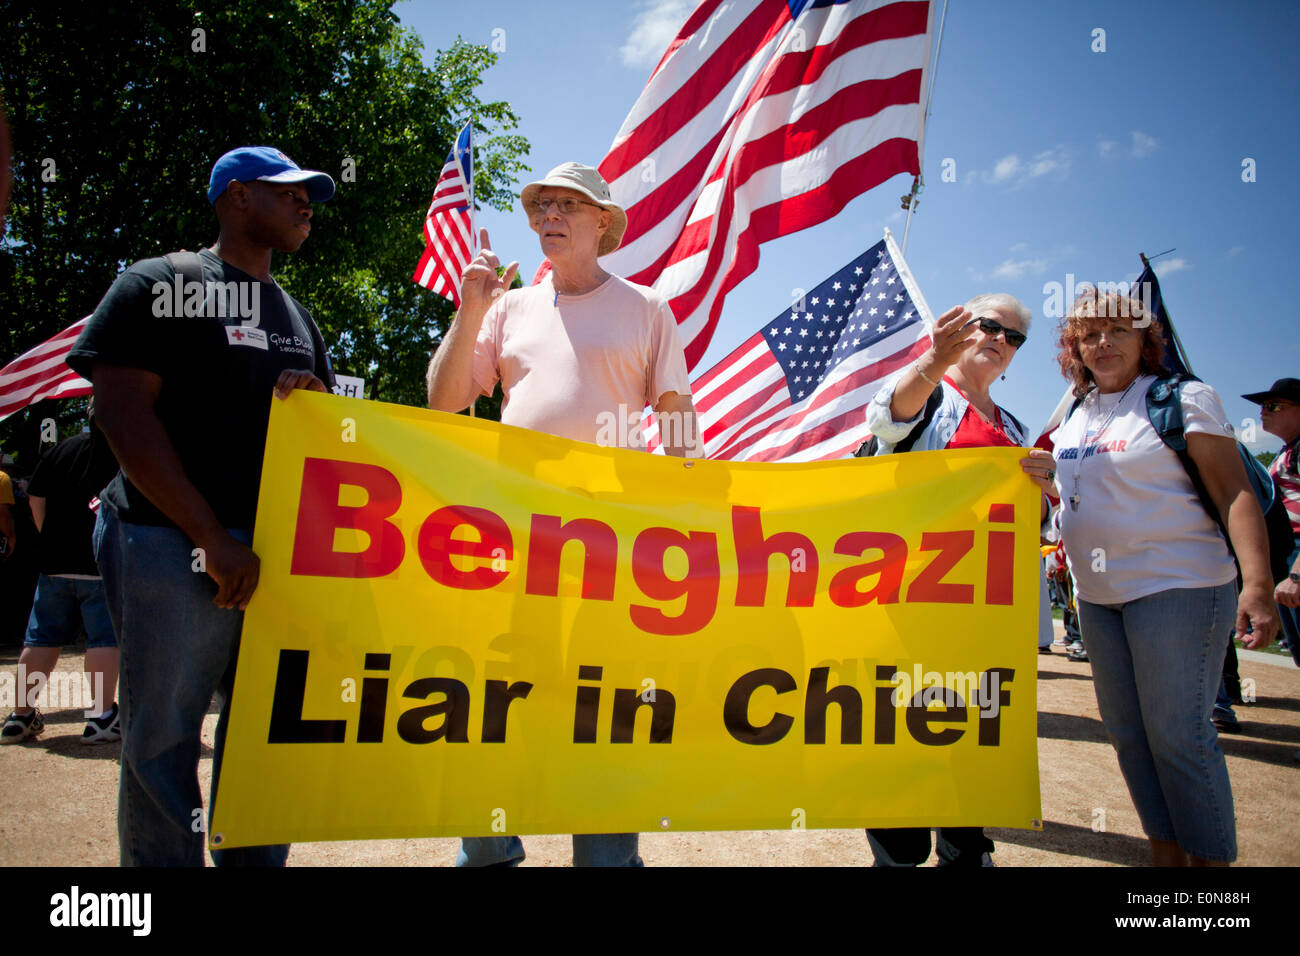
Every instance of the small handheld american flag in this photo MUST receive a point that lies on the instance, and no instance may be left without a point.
(448, 225)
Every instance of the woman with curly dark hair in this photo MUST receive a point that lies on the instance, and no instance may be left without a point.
(1155, 580)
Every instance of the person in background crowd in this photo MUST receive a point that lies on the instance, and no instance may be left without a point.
(1156, 611)
(8, 536)
(578, 346)
(18, 564)
(942, 401)
(1280, 415)
(1062, 591)
(69, 592)
(184, 401)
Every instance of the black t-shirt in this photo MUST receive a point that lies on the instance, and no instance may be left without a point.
(69, 476)
(217, 367)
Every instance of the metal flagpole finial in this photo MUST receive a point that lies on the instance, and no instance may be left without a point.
(910, 202)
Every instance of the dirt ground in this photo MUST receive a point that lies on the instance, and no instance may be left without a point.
(58, 798)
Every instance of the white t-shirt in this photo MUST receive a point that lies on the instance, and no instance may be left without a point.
(1140, 527)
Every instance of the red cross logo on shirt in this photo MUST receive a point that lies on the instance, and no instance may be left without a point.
(237, 335)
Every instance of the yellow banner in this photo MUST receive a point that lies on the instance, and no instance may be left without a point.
(464, 628)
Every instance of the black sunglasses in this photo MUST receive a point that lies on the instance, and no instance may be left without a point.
(991, 328)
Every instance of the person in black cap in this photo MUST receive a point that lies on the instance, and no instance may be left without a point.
(1280, 416)
(184, 352)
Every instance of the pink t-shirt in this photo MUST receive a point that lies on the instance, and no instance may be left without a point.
(573, 365)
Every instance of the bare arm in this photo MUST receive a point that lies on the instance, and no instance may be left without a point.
(950, 340)
(124, 407)
(38, 511)
(1225, 479)
(1287, 593)
(678, 426)
(451, 371)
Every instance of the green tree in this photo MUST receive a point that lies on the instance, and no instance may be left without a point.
(118, 111)
(1265, 458)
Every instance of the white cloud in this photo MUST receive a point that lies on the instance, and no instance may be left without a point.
(1169, 266)
(1006, 167)
(1143, 145)
(974, 276)
(1050, 161)
(1106, 148)
(652, 31)
(1016, 268)
(1236, 251)
(895, 216)
(1019, 247)
(1012, 169)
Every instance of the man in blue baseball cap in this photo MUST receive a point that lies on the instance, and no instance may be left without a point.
(185, 352)
(268, 165)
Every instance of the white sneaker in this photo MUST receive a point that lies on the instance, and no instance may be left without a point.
(103, 730)
(18, 727)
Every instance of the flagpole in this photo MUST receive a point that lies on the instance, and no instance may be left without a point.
(473, 227)
(929, 92)
(473, 219)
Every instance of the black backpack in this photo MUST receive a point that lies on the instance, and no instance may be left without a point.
(1165, 410)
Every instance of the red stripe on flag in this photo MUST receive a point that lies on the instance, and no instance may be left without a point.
(678, 110)
(781, 219)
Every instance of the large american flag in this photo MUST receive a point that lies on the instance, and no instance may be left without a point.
(448, 225)
(761, 119)
(797, 389)
(42, 373)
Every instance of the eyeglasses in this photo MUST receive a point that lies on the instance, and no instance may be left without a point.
(566, 204)
(991, 328)
(1276, 406)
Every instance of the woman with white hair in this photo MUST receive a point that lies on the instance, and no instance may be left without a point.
(942, 401)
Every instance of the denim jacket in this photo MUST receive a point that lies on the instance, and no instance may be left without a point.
(937, 434)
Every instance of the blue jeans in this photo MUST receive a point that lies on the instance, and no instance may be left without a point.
(1156, 664)
(63, 607)
(589, 849)
(178, 648)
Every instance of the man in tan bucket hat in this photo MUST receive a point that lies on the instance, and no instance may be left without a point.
(578, 352)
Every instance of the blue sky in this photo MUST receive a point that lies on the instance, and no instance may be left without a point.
(1067, 162)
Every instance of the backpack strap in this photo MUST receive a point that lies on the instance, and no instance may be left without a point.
(931, 407)
(1020, 426)
(1165, 410)
(187, 265)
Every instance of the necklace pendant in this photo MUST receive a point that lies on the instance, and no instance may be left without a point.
(1074, 502)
